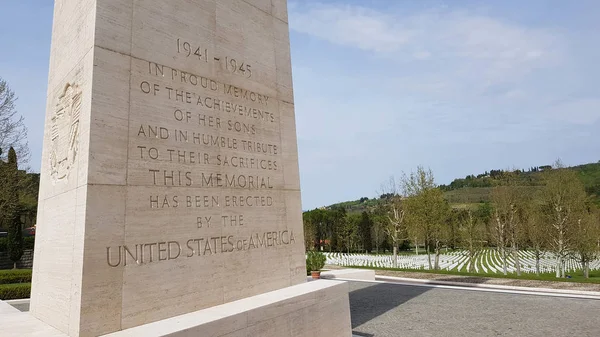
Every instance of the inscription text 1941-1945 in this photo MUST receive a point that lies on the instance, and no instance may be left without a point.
(231, 64)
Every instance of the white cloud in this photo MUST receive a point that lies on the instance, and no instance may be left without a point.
(348, 25)
(449, 88)
(456, 58)
(496, 49)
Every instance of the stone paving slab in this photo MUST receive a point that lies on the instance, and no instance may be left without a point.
(391, 310)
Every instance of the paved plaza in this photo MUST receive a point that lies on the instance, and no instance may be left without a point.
(392, 310)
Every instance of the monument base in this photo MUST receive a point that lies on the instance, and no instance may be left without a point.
(319, 308)
(349, 274)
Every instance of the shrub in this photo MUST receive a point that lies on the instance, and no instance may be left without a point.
(15, 276)
(314, 261)
(15, 291)
(28, 243)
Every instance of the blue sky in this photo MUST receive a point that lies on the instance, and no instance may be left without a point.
(383, 86)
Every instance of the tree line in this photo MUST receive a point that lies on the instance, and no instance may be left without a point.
(9, 205)
(557, 217)
(18, 189)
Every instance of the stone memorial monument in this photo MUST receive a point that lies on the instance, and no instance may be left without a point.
(170, 197)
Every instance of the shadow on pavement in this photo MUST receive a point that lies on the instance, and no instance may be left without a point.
(473, 280)
(23, 307)
(361, 334)
(372, 300)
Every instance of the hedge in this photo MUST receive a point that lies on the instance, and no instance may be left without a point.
(15, 276)
(15, 291)
(28, 243)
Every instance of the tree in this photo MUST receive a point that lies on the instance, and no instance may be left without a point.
(563, 202)
(454, 218)
(318, 225)
(395, 212)
(335, 219)
(506, 228)
(517, 233)
(29, 186)
(412, 186)
(428, 214)
(310, 231)
(365, 227)
(396, 227)
(3, 187)
(380, 221)
(586, 233)
(10, 209)
(13, 132)
(349, 231)
(472, 233)
(427, 211)
(537, 231)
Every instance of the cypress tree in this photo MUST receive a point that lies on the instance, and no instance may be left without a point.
(12, 217)
(365, 226)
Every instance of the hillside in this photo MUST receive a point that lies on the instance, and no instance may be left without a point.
(475, 189)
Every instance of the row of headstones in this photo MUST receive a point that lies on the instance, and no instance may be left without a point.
(488, 261)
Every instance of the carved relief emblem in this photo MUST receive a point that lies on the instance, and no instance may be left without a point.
(65, 133)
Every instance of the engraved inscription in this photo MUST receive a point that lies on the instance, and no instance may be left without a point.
(211, 103)
(230, 64)
(145, 253)
(205, 139)
(65, 133)
(209, 201)
(180, 76)
(184, 47)
(212, 152)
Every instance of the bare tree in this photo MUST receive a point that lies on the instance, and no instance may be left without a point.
(507, 229)
(505, 213)
(396, 226)
(13, 132)
(396, 229)
(537, 231)
(472, 233)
